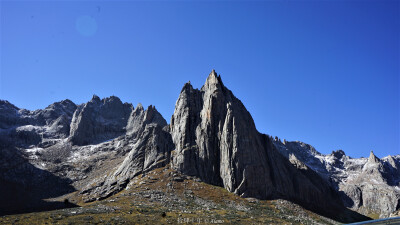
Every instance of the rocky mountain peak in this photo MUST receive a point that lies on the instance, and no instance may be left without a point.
(213, 82)
(212, 77)
(95, 98)
(187, 88)
(4, 104)
(9, 114)
(67, 102)
(139, 107)
(153, 116)
(99, 120)
(57, 116)
(62, 105)
(139, 118)
(338, 154)
(372, 158)
(373, 169)
(216, 140)
(112, 100)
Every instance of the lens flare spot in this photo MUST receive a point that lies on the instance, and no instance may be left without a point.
(86, 25)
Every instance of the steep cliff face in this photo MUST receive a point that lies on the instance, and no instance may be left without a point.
(216, 140)
(139, 118)
(212, 132)
(151, 148)
(99, 120)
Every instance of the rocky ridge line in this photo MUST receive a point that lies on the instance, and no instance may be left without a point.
(99, 147)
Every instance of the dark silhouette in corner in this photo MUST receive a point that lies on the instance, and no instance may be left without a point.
(24, 187)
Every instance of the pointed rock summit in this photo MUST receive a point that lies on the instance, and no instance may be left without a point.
(139, 118)
(95, 98)
(372, 158)
(338, 154)
(213, 82)
(216, 140)
(374, 166)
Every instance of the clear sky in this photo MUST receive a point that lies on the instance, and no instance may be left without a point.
(323, 72)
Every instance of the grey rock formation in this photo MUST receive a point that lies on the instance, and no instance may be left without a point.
(98, 147)
(9, 115)
(377, 195)
(217, 141)
(139, 118)
(99, 120)
(21, 127)
(57, 117)
(151, 149)
(370, 186)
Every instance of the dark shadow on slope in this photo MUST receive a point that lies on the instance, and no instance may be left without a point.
(24, 187)
(337, 211)
(310, 190)
(15, 199)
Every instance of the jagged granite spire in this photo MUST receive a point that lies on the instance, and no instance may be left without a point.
(372, 158)
(152, 149)
(95, 98)
(140, 117)
(216, 140)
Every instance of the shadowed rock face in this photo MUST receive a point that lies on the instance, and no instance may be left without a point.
(58, 117)
(367, 185)
(11, 115)
(216, 140)
(21, 127)
(23, 186)
(99, 120)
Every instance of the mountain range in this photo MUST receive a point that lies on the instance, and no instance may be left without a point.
(95, 150)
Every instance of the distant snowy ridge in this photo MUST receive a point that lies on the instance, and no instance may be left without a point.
(368, 185)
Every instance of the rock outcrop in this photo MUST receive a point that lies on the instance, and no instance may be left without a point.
(152, 145)
(216, 140)
(9, 115)
(370, 186)
(22, 128)
(139, 118)
(99, 120)
(376, 194)
(57, 117)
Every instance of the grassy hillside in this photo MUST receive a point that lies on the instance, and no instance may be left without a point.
(164, 197)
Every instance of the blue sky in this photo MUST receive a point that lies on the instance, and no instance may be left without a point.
(323, 72)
